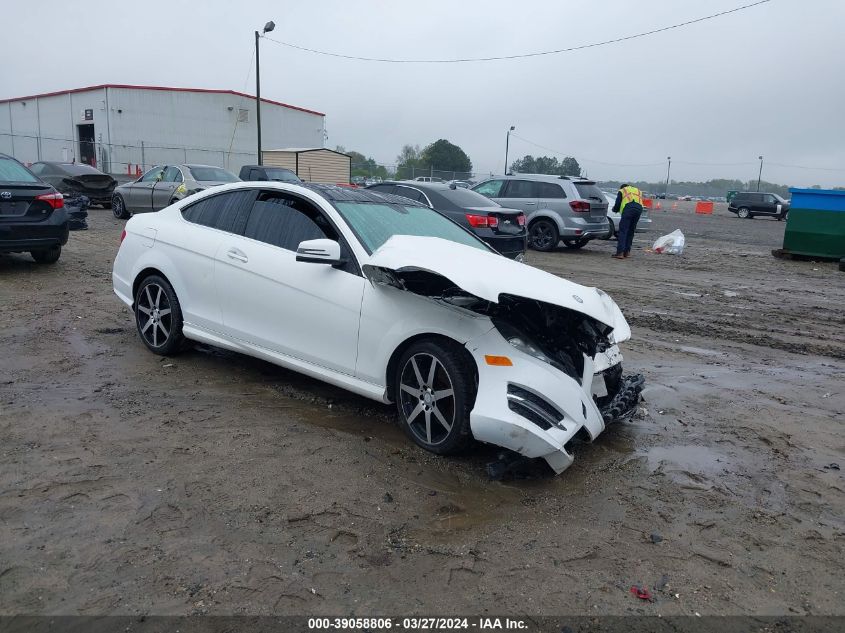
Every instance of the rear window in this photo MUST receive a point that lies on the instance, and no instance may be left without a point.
(79, 169)
(589, 191)
(464, 198)
(212, 174)
(13, 171)
(285, 175)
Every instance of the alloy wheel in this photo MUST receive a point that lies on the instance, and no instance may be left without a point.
(427, 398)
(542, 235)
(155, 306)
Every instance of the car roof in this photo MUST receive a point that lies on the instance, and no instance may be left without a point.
(543, 177)
(429, 186)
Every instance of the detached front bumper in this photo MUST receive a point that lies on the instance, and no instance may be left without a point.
(536, 410)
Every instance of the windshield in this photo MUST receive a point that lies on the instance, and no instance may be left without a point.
(13, 171)
(212, 174)
(778, 198)
(374, 224)
(283, 175)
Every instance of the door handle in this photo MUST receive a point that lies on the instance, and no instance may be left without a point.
(234, 253)
(528, 203)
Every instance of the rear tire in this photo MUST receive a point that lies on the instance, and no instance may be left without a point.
(118, 208)
(158, 316)
(543, 235)
(611, 231)
(48, 255)
(435, 390)
(743, 213)
(575, 243)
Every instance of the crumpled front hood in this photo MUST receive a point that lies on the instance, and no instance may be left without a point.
(489, 276)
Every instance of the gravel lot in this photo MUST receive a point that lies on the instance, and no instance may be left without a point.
(214, 483)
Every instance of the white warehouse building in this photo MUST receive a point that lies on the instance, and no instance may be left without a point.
(126, 129)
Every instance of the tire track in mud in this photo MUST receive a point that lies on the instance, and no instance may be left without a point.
(661, 323)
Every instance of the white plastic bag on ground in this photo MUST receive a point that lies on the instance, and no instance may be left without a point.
(672, 244)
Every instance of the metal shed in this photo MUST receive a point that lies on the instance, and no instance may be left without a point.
(312, 164)
(123, 129)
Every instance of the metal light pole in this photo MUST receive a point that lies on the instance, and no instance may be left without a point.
(267, 28)
(668, 167)
(507, 142)
(760, 175)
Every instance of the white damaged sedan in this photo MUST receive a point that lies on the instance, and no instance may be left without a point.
(386, 298)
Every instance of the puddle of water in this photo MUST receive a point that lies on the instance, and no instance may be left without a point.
(685, 464)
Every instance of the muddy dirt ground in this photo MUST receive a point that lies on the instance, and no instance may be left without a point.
(214, 483)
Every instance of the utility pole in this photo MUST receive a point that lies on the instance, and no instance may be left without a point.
(507, 142)
(668, 167)
(267, 28)
(760, 175)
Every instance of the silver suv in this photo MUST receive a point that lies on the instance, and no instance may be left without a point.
(556, 208)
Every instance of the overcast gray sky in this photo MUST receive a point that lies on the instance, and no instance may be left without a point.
(769, 80)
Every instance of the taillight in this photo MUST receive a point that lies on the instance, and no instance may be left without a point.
(580, 206)
(482, 221)
(55, 200)
(122, 235)
(520, 219)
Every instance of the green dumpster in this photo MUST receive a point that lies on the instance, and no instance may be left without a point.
(815, 226)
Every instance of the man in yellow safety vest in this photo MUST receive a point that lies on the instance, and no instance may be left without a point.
(629, 202)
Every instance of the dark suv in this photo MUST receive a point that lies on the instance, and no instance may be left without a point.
(32, 215)
(747, 204)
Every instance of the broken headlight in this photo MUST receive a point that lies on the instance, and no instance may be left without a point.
(520, 341)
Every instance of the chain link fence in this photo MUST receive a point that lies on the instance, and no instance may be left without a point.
(131, 160)
(116, 158)
(376, 171)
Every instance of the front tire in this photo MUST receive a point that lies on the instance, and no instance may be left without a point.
(743, 213)
(543, 235)
(158, 316)
(118, 208)
(435, 390)
(48, 255)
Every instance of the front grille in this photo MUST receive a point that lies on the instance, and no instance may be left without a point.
(533, 408)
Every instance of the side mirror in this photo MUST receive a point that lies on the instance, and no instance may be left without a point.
(321, 251)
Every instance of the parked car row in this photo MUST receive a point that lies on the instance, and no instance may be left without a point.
(500, 227)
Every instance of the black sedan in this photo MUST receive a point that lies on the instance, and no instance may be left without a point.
(501, 228)
(77, 179)
(32, 215)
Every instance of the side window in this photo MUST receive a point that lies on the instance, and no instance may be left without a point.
(550, 190)
(171, 174)
(255, 174)
(413, 194)
(383, 188)
(38, 169)
(152, 175)
(226, 211)
(771, 199)
(521, 189)
(284, 221)
(491, 188)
